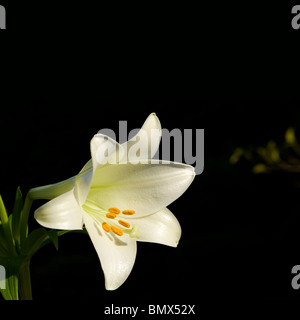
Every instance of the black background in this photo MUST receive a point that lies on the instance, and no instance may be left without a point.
(231, 69)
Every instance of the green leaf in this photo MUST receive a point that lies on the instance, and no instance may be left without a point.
(10, 221)
(24, 219)
(6, 228)
(3, 243)
(3, 214)
(18, 206)
(34, 241)
(54, 237)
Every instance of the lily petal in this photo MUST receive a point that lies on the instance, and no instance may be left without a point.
(105, 150)
(87, 166)
(62, 213)
(116, 254)
(82, 185)
(145, 188)
(148, 139)
(161, 227)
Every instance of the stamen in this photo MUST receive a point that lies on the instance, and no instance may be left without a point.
(106, 227)
(117, 231)
(124, 223)
(128, 212)
(111, 215)
(114, 210)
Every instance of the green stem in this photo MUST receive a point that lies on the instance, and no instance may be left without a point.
(25, 281)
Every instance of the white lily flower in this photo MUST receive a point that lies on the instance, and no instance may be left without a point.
(120, 203)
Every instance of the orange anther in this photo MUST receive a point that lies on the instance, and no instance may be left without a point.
(124, 223)
(111, 215)
(128, 212)
(117, 231)
(106, 227)
(114, 210)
